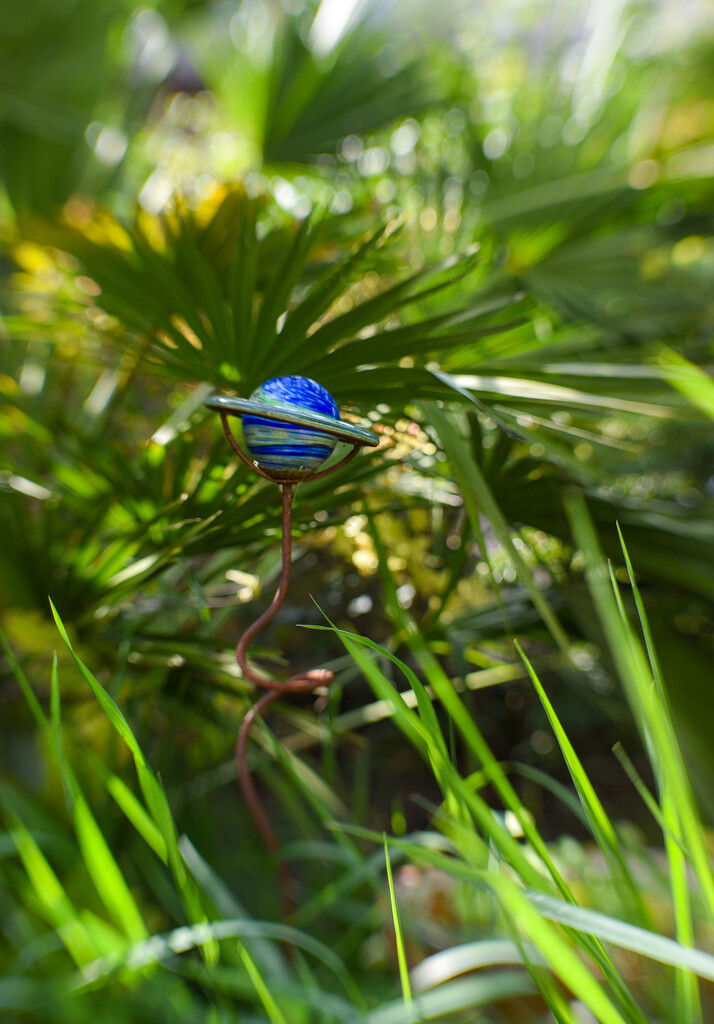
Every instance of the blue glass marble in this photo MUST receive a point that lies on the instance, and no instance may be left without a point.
(285, 447)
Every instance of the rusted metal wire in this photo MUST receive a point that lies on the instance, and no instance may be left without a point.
(301, 682)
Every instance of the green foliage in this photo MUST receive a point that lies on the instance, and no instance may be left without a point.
(488, 234)
(546, 921)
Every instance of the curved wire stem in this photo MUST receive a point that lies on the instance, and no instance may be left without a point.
(253, 800)
(301, 682)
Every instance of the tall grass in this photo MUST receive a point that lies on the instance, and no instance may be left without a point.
(109, 911)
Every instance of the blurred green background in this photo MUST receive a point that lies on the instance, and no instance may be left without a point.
(487, 230)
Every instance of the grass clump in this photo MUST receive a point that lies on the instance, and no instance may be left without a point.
(518, 928)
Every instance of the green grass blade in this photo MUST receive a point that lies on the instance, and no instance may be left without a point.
(647, 798)
(398, 934)
(106, 702)
(687, 999)
(98, 858)
(690, 380)
(53, 901)
(686, 989)
(275, 1014)
(160, 948)
(55, 715)
(469, 956)
(644, 621)
(626, 936)
(151, 787)
(465, 996)
(136, 813)
(105, 872)
(589, 798)
(645, 701)
(561, 956)
(604, 831)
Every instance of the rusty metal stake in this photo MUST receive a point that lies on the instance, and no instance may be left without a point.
(301, 682)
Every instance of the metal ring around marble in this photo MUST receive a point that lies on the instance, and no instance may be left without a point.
(295, 416)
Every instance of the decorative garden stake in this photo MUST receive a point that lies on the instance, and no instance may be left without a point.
(291, 426)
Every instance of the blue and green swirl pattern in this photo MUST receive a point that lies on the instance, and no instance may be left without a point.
(284, 447)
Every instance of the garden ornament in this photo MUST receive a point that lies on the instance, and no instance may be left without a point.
(291, 426)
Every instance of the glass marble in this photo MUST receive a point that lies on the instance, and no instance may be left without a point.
(286, 447)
